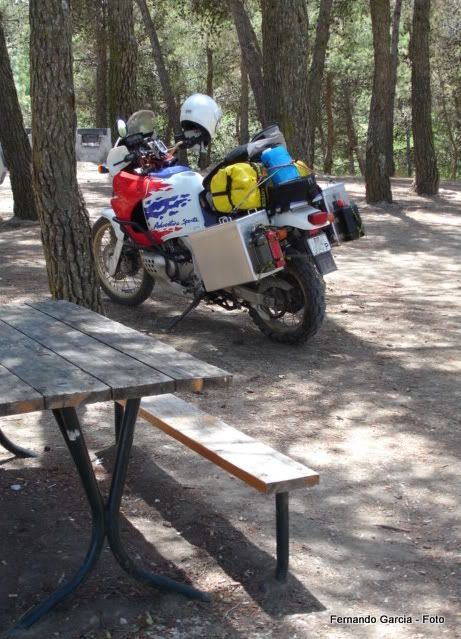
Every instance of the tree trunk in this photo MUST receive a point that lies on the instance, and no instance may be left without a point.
(457, 123)
(408, 152)
(378, 185)
(64, 221)
(394, 65)
(328, 159)
(353, 144)
(426, 172)
(14, 140)
(101, 63)
(350, 160)
(244, 129)
(317, 68)
(285, 48)
(448, 124)
(122, 62)
(209, 90)
(251, 54)
(163, 74)
(323, 143)
(169, 130)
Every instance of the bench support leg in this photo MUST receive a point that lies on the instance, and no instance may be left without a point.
(282, 532)
(13, 448)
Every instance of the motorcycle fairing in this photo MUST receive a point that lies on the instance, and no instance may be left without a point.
(168, 171)
(176, 211)
(131, 189)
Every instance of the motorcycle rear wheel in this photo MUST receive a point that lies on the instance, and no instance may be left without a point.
(291, 314)
(131, 284)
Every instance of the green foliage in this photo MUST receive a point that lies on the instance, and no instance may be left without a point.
(187, 28)
(16, 25)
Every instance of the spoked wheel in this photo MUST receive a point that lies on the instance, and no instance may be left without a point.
(130, 284)
(294, 303)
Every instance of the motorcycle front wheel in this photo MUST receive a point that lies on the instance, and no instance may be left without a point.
(131, 284)
(294, 303)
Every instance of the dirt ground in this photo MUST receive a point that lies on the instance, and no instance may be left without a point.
(372, 403)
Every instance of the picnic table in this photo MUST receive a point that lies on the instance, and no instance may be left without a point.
(55, 356)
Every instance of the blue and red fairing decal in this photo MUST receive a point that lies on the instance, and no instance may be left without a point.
(157, 206)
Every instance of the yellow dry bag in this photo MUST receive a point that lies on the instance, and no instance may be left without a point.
(235, 187)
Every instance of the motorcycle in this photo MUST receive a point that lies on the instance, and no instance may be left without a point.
(161, 227)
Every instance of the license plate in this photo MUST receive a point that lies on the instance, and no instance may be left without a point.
(319, 244)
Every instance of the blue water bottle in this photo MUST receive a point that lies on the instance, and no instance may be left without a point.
(279, 164)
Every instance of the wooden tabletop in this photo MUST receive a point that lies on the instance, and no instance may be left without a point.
(55, 354)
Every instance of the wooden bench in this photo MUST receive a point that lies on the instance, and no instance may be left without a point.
(253, 462)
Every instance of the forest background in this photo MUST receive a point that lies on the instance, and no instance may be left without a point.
(201, 51)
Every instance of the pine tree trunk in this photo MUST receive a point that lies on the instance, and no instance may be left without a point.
(350, 160)
(163, 74)
(209, 90)
(285, 49)
(350, 128)
(101, 63)
(323, 144)
(64, 221)
(14, 140)
(168, 135)
(378, 185)
(251, 54)
(448, 124)
(426, 172)
(317, 68)
(243, 131)
(394, 65)
(328, 160)
(122, 62)
(408, 152)
(457, 127)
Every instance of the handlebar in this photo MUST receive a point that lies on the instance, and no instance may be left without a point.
(147, 152)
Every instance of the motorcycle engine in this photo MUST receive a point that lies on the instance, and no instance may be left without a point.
(180, 267)
(173, 265)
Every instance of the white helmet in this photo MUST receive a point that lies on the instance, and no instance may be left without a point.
(200, 111)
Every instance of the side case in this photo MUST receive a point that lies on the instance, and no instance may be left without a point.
(348, 223)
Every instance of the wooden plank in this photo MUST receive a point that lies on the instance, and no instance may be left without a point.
(126, 376)
(190, 373)
(253, 462)
(16, 396)
(60, 383)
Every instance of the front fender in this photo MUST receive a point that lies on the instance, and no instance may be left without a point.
(109, 213)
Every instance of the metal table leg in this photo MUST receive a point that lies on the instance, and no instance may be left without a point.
(12, 448)
(113, 507)
(118, 416)
(105, 519)
(70, 428)
(282, 532)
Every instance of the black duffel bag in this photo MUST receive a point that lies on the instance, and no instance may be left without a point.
(302, 189)
(348, 223)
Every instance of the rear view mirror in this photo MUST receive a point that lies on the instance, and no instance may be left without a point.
(121, 128)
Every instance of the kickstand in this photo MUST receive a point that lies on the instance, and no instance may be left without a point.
(195, 302)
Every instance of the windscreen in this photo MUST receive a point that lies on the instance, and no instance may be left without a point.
(141, 122)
